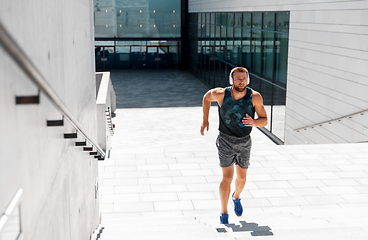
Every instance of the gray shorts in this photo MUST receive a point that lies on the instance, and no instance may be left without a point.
(233, 150)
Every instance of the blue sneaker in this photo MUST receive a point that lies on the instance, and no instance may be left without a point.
(237, 206)
(224, 218)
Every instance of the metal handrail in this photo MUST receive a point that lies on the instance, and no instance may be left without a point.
(332, 120)
(252, 74)
(31, 71)
(9, 210)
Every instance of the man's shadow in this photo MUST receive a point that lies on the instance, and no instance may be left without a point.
(248, 227)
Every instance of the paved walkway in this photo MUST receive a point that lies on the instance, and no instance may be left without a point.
(161, 181)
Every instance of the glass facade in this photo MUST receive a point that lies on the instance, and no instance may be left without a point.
(256, 40)
(137, 19)
(137, 34)
(136, 54)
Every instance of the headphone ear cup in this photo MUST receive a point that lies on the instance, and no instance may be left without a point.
(230, 80)
(230, 77)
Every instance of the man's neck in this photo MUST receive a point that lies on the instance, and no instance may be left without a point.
(237, 95)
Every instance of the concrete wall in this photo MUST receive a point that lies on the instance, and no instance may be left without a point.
(106, 106)
(57, 177)
(328, 57)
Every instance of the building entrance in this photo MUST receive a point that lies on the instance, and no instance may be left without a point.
(105, 57)
(136, 56)
(158, 57)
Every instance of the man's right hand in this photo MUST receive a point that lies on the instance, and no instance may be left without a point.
(204, 125)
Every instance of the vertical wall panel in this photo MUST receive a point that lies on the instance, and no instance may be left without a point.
(327, 59)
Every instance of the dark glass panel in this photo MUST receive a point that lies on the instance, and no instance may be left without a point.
(282, 21)
(212, 31)
(269, 21)
(218, 18)
(238, 19)
(223, 32)
(247, 20)
(229, 53)
(230, 19)
(237, 53)
(213, 18)
(246, 53)
(256, 52)
(257, 20)
(230, 33)
(203, 30)
(223, 19)
(267, 58)
(199, 30)
(281, 57)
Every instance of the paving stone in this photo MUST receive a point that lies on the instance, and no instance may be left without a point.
(307, 191)
(133, 189)
(133, 207)
(164, 170)
(166, 173)
(117, 198)
(342, 190)
(326, 199)
(196, 196)
(288, 201)
(273, 184)
(169, 188)
(173, 205)
(190, 179)
(268, 193)
(151, 197)
(131, 174)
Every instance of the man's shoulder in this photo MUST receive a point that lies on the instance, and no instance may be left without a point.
(255, 93)
(218, 90)
(256, 97)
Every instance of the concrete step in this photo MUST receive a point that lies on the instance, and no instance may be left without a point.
(151, 232)
(150, 221)
(178, 227)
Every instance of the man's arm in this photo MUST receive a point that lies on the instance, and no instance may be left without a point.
(213, 95)
(261, 121)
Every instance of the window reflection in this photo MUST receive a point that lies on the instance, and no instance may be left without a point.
(137, 19)
(255, 40)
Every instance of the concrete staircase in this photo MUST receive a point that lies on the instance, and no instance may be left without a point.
(161, 180)
(178, 227)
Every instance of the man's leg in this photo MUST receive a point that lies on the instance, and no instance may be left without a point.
(227, 177)
(241, 176)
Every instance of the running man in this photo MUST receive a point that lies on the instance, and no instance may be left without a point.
(237, 105)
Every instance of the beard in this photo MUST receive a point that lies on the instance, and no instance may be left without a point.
(239, 89)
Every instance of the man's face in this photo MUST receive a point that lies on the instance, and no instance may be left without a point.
(240, 81)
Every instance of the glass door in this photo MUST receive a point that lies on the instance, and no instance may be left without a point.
(105, 57)
(138, 57)
(152, 57)
(158, 57)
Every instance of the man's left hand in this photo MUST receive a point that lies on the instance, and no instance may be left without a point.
(248, 121)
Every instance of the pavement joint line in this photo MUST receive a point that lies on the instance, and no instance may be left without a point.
(328, 167)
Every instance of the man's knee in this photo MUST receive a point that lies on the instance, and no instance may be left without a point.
(242, 178)
(227, 179)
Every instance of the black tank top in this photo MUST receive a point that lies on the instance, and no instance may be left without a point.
(233, 111)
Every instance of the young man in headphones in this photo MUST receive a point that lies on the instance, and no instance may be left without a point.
(237, 105)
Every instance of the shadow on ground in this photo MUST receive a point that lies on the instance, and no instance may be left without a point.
(248, 227)
(157, 88)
